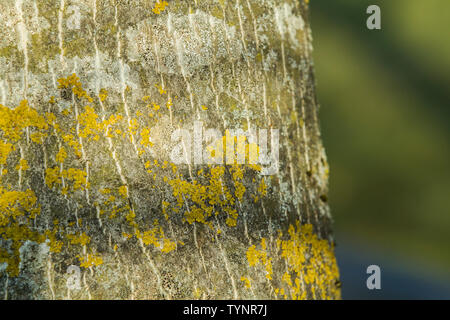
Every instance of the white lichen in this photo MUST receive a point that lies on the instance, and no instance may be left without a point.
(289, 24)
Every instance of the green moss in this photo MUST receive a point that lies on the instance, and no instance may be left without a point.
(9, 51)
(43, 48)
(80, 47)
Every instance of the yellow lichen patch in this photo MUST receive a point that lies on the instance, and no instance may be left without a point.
(246, 281)
(202, 200)
(73, 82)
(15, 205)
(70, 140)
(16, 234)
(232, 217)
(202, 197)
(168, 245)
(38, 137)
(145, 135)
(91, 127)
(165, 204)
(224, 149)
(105, 191)
(212, 191)
(50, 119)
(311, 262)
(77, 176)
(103, 95)
(127, 236)
(262, 188)
(13, 121)
(90, 260)
(116, 202)
(256, 257)
(156, 107)
(54, 175)
(61, 155)
(156, 237)
(133, 126)
(54, 244)
(23, 165)
(123, 191)
(160, 88)
(109, 123)
(79, 238)
(5, 150)
(169, 103)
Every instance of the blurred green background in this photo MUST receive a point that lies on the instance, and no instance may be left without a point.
(385, 111)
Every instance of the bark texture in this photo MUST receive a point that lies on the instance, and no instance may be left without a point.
(91, 92)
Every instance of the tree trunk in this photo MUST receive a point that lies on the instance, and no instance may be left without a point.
(123, 170)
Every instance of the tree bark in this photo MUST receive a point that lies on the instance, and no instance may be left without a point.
(93, 94)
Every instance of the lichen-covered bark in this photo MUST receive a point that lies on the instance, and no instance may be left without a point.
(91, 92)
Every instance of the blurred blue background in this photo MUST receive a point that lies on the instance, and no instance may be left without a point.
(385, 111)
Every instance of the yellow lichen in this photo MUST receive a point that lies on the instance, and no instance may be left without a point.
(123, 191)
(15, 205)
(145, 135)
(309, 260)
(61, 155)
(54, 177)
(103, 95)
(256, 257)
(13, 121)
(73, 82)
(246, 281)
(79, 238)
(90, 260)
(5, 150)
(23, 165)
(90, 126)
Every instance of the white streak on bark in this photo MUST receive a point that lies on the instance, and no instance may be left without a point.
(227, 267)
(180, 49)
(155, 270)
(60, 33)
(238, 5)
(265, 98)
(99, 218)
(49, 277)
(283, 56)
(198, 247)
(87, 286)
(52, 71)
(6, 288)
(255, 23)
(122, 79)
(36, 15)
(97, 69)
(305, 134)
(3, 91)
(20, 166)
(23, 43)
